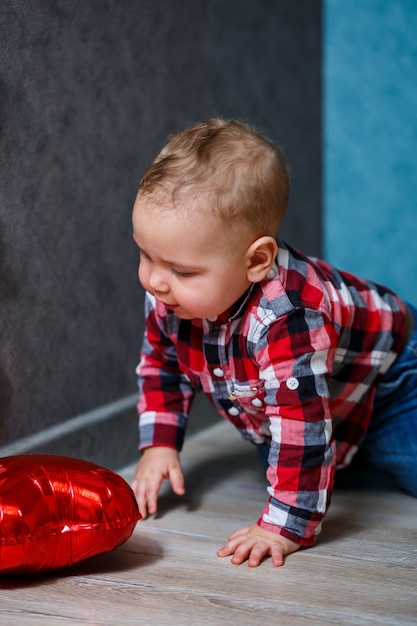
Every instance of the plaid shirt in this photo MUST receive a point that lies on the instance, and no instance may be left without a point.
(295, 363)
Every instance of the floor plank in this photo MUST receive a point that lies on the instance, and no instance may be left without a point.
(363, 571)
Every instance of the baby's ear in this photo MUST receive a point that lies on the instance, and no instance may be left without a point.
(260, 257)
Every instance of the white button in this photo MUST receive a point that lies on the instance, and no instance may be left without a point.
(292, 383)
(257, 402)
(212, 319)
(233, 411)
(218, 372)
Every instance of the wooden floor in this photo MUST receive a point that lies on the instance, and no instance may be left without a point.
(362, 572)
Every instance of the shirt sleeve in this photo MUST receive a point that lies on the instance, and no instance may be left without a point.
(165, 393)
(295, 357)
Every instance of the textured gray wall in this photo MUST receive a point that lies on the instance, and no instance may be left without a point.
(89, 91)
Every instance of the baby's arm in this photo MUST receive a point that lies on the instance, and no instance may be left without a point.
(254, 543)
(155, 465)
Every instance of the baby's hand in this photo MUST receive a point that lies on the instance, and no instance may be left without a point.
(254, 543)
(155, 465)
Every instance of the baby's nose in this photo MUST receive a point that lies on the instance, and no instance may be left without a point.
(158, 283)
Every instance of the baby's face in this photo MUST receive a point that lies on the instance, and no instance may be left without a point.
(189, 262)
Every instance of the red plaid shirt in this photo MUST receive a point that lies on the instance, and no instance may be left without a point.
(295, 363)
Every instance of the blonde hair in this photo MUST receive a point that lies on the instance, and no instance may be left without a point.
(245, 173)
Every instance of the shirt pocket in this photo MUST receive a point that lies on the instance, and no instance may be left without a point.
(249, 395)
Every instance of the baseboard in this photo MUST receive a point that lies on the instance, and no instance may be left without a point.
(106, 435)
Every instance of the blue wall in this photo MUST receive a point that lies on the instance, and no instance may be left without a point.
(370, 140)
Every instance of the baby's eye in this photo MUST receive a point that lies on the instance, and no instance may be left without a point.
(183, 274)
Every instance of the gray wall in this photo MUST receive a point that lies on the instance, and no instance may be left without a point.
(89, 91)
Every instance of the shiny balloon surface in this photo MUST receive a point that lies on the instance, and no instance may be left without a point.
(56, 511)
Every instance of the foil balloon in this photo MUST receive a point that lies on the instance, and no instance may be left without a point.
(56, 511)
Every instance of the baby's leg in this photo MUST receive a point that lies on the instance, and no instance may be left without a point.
(391, 442)
(263, 452)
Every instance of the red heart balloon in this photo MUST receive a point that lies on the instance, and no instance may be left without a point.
(56, 511)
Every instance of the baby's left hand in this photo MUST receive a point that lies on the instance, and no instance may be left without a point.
(254, 543)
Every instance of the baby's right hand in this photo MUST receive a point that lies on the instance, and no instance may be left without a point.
(155, 465)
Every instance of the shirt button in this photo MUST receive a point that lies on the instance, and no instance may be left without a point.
(234, 411)
(257, 402)
(218, 372)
(292, 383)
